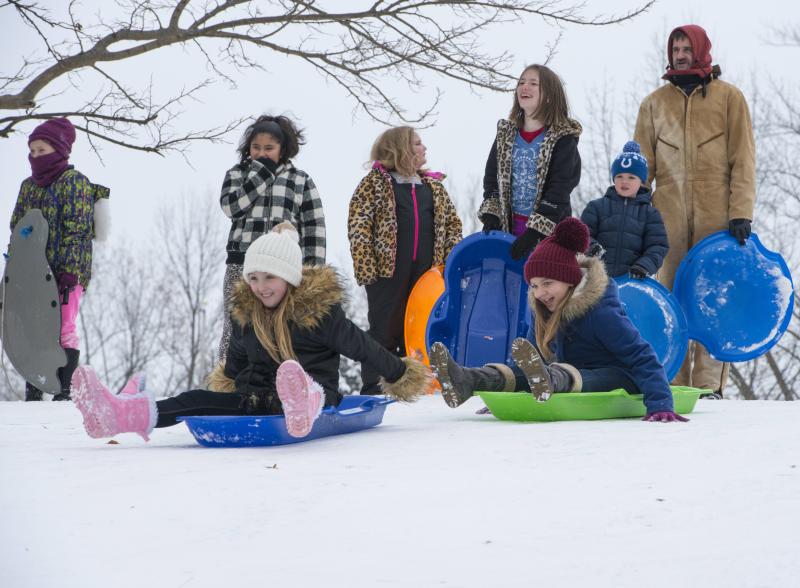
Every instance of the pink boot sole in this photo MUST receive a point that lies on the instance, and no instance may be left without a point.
(302, 398)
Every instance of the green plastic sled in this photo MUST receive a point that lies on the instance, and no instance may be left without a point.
(582, 406)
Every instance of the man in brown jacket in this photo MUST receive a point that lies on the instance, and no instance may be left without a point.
(698, 139)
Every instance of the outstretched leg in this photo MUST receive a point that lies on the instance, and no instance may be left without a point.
(460, 383)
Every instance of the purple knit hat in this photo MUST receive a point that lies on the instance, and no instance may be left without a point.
(554, 258)
(59, 134)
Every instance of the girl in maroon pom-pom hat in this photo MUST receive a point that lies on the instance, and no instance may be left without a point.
(581, 340)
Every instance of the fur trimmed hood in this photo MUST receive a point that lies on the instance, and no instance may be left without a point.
(318, 292)
(589, 291)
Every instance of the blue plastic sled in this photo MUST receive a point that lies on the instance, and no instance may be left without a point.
(655, 312)
(737, 299)
(354, 413)
(484, 305)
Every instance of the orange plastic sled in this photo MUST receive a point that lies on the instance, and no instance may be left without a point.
(420, 303)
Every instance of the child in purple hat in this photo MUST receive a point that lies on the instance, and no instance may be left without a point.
(74, 209)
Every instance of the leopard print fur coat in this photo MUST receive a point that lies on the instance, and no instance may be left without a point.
(372, 224)
(555, 185)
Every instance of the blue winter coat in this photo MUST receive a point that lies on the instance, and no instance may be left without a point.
(596, 333)
(629, 229)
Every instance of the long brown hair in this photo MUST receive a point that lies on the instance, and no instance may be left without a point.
(553, 108)
(394, 149)
(547, 323)
(271, 326)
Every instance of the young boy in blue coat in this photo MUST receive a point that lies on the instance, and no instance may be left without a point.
(624, 223)
(586, 342)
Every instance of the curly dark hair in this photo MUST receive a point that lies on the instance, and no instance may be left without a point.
(281, 127)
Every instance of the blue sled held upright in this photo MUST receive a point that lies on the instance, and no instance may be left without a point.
(354, 413)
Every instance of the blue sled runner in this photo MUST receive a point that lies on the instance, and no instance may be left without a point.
(354, 413)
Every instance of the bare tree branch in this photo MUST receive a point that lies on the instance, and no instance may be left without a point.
(355, 49)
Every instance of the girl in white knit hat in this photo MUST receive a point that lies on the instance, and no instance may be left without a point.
(289, 330)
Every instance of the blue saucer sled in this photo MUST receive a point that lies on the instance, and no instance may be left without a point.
(354, 413)
(738, 299)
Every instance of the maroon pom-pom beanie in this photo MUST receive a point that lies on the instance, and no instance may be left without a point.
(554, 257)
(59, 134)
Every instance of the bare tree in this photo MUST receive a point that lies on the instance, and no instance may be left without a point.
(192, 251)
(354, 49)
(122, 315)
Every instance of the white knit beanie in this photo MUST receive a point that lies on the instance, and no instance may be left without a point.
(276, 253)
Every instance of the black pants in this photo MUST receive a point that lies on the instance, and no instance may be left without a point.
(198, 403)
(387, 299)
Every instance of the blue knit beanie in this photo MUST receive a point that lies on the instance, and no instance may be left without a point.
(630, 161)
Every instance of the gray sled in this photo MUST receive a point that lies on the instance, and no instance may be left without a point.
(31, 308)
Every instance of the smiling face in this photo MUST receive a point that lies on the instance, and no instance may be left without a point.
(549, 292)
(419, 151)
(682, 56)
(265, 145)
(39, 148)
(627, 185)
(528, 94)
(269, 289)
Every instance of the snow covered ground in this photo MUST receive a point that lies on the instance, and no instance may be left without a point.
(432, 497)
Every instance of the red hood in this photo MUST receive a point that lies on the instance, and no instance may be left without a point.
(701, 50)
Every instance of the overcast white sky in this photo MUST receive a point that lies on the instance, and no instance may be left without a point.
(338, 143)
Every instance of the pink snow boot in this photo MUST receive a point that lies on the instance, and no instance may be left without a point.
(302, 398)
(106, 414)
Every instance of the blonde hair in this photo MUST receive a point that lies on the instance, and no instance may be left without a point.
(547, 323)
(394, 149)
(271, 327)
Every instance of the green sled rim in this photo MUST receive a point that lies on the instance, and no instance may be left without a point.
(580, 406)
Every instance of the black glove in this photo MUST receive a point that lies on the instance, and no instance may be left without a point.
(490, 223)
(268, 163)
(637, 272)
(524, 244)
(740, 229)
(596, 250)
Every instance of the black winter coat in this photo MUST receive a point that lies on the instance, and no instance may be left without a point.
(629, 229)
(320, 333)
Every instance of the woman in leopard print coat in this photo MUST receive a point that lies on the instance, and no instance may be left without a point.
(534, 163)
(401, 223)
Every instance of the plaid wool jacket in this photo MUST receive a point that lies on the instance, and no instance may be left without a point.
(256, 200)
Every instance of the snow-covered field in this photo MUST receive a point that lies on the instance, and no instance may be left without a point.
(432, 497)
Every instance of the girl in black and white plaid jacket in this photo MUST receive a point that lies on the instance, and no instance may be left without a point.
(264, 189)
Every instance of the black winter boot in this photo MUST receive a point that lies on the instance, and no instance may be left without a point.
(544, 379)
(459, 383)
(32, 393)
(65, 374)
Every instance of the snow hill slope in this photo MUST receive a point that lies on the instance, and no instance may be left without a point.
(432, 497)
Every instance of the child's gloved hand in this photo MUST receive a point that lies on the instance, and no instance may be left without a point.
(268, 163)
(490, 223)
(524, 244)
(740, 229)
(637, 272)
(665, 416)
(66, 280)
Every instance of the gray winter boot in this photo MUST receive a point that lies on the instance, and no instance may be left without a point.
(544, 379)
(459, 383)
